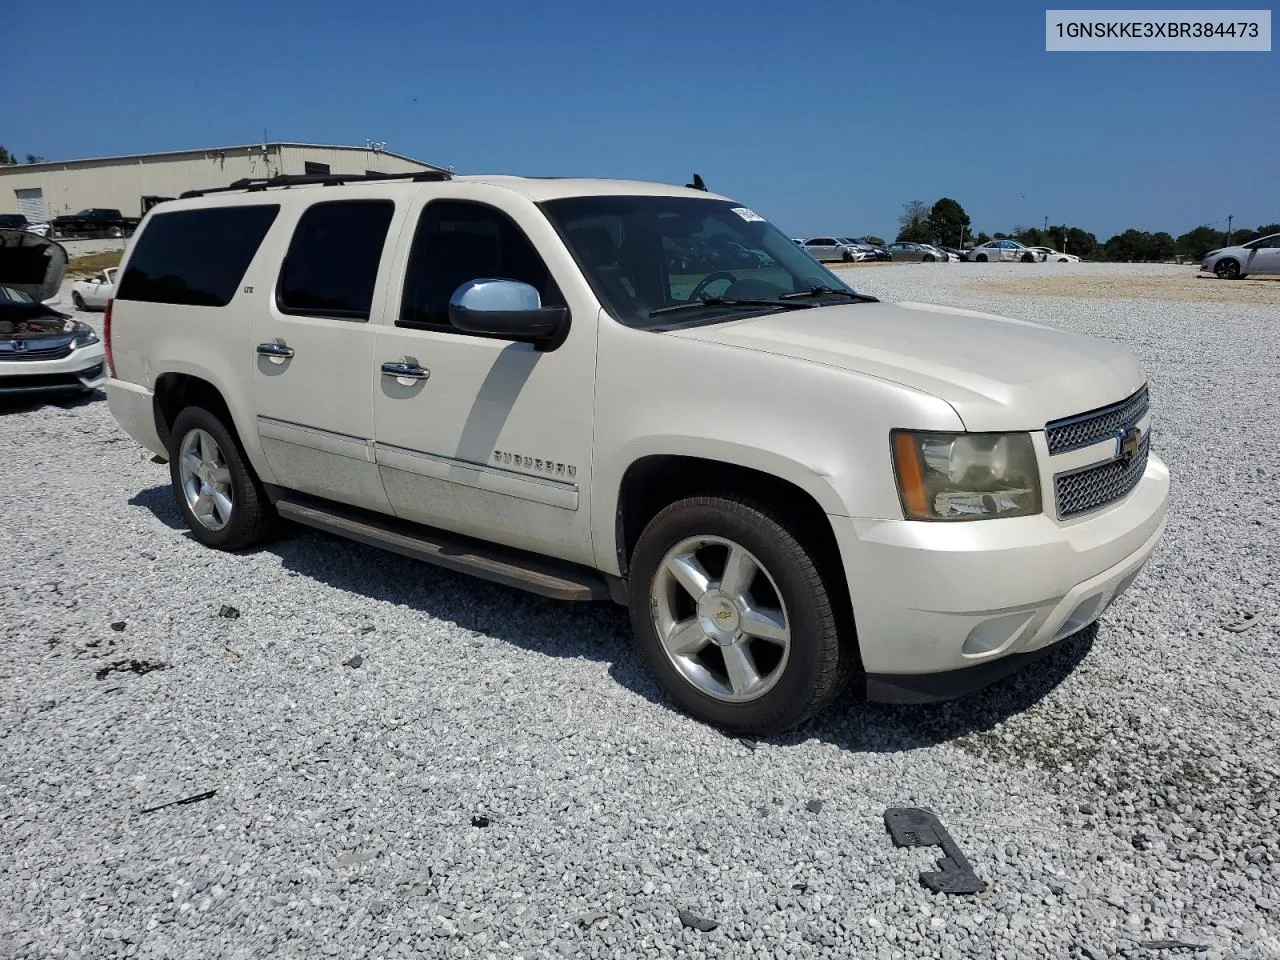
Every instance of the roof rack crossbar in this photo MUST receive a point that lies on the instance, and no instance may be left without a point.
(252, 184)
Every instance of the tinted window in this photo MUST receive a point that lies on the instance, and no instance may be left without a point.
(313, 169)
(333, 258)
(456, 242)
(195, 257)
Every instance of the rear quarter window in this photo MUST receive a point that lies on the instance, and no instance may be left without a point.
(195, 258)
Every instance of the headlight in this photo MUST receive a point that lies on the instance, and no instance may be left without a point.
(966, 476)
(85, 336)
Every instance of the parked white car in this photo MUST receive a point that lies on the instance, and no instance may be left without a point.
(1055, 256)
(94, 292)
(1005, 250)
(41, 350)
(1260, 256)
(787, 482)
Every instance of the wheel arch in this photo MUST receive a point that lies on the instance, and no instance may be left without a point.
(655, 480)
(174, 391)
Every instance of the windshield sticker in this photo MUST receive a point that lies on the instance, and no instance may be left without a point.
(748, 215)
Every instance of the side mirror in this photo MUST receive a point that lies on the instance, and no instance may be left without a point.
(508, 310)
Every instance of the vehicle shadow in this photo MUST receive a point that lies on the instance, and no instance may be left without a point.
(27, 402)
(160, 503)
(602, 632)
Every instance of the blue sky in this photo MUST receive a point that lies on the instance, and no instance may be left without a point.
(824, 118)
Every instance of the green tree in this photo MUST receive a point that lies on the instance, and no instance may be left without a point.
(1074, 240)
(914, 222)
(1138, 246)
(1194, 244)
(32, 158)
(6, 156)
(947, 222)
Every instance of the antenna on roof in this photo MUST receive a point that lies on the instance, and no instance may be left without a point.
(697, 183)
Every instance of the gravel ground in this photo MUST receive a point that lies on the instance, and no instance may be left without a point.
(406, 762)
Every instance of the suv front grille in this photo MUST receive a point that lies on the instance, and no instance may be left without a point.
(1095, 486)
(1072, 433)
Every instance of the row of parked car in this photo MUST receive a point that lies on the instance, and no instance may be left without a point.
(857, 250)
(96, 222)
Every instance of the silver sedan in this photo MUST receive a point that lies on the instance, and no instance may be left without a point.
(1256, 256)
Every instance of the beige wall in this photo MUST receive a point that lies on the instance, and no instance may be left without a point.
(122, 182)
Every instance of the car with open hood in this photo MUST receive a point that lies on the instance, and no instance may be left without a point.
(584, 389)
(41, 349)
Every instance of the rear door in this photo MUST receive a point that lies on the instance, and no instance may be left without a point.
(821, 248)
(314, 372)
(488, 437)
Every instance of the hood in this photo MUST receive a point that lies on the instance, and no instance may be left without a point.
(31, 264)
(998, 373)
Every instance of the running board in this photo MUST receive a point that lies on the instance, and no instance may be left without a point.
(514, 568)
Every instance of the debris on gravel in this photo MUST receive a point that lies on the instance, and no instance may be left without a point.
(692, 920)
(1125, 791)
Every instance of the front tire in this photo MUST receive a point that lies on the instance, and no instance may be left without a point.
(734, 618)
(929, 258)
(1028, 258)
(1227, 269)
(77, 301)
(216, 490)
(981, 258)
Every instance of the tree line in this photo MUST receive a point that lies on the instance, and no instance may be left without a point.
(8, 158)
(946, 223)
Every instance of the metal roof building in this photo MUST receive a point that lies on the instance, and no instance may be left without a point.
(133, 184)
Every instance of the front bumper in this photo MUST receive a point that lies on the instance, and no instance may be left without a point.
(946, 598)
(82, 369)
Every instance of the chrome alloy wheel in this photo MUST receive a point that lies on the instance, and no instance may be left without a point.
(206, 481)
(721, 619)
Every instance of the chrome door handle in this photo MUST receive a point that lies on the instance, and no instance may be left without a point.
(403, 369)
(276, 348)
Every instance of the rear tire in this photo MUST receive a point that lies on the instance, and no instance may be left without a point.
(755, 653)
(1028, 258)
(219, 495)
(929, 258)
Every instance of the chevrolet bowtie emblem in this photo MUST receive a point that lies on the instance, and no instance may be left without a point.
(723, 615)
(1130, 440)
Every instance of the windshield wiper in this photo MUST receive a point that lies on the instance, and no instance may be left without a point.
(822, 291)
(728, 302)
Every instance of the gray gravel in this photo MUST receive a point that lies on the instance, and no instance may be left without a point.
(402, 761)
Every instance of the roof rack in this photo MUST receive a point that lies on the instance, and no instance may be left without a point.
(251, 184)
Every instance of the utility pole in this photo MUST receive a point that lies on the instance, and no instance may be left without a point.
(1229, 219)
(1046, 226)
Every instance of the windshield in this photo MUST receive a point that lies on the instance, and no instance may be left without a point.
(643, 254)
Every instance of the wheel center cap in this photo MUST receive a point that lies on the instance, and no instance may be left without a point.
(718, 617)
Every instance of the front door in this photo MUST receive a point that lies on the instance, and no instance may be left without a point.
(487, 437)
(314, 365)
(1265, 257)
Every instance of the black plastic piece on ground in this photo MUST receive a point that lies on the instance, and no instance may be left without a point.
(480, 821)
(177, 803)
(950, 684)
(691, 919)
(228, 612)
(913, 827)
(1171, 945)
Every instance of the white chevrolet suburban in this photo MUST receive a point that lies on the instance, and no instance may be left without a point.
(644, 393)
